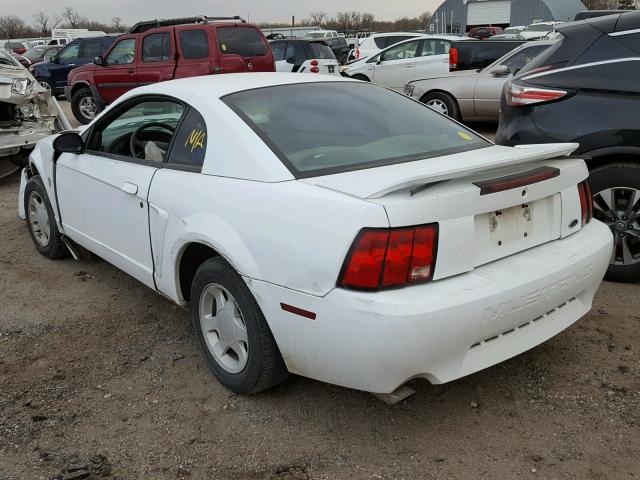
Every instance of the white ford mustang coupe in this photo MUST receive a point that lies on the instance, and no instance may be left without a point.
(325, 227)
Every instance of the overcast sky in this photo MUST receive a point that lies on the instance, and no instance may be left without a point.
(257, 10)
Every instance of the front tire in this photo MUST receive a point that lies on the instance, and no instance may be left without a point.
(616, 202)
(84, 106)
(41, 220)
(442, 103)
(232, 332)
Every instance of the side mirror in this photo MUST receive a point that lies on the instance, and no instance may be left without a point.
(500, 71)
(291, 60)
(68, 142)
(99, 60)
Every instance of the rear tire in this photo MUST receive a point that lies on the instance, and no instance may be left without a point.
(344, 58)
(84, 106)
(442, 103)
(622, 180)
(41, 221)
(233, 334)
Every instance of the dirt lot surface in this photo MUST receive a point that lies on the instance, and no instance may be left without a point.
(101, 378)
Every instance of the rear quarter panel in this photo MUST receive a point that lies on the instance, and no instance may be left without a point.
(287, 233)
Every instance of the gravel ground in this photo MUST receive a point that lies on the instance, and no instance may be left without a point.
(101, 378)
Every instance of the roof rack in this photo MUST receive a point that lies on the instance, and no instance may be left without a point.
(149, 24)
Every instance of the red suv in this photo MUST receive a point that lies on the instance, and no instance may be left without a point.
(482, 33)
(160, 50)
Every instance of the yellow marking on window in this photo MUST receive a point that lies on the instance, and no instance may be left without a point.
(195, 140)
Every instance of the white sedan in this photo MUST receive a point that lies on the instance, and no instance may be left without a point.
(397, 65)
(309, 233)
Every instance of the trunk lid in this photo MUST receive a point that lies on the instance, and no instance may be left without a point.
(488, 203)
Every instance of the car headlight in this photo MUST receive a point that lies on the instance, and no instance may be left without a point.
(409, 89)
(20, 86)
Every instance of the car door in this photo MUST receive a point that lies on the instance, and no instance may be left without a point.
(63, 63)
(396, 65)
(195, 47)
(433, 58)
(279, 55)
(157, 58)
(491, 81)
(118, 74)
(103, 192)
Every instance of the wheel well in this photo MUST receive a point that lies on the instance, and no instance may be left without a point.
(611, 158)
(360, 76)
(444, 92)
(77, 87)
(33, 170)
(194, 255)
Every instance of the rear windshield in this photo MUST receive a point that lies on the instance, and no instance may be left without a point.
(320, 50)
(243, 41)
(330, 127)
(314, 35)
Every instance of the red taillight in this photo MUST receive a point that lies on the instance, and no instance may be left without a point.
(517, 180)
(518, 95)
(390, 258)
(314, 63)
(357, 53)
(453, 58)
(586, 202)
(314, 70)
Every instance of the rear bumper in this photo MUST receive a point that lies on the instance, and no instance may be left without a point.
(443, 330)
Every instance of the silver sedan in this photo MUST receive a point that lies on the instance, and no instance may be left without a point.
(474, 94)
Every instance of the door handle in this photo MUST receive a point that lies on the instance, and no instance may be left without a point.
(410, 65)
(130, 71)
(129, 188)
(71, 64)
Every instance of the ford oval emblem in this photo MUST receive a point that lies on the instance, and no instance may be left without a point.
(250, 66)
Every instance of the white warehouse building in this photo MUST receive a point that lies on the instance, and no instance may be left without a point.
(459, 16)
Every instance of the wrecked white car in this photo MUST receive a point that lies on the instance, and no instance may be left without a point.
(28, 113)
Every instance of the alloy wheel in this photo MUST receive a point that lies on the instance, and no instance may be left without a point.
(88, 107)
(224, 328)
(439, 106)
(619, 208)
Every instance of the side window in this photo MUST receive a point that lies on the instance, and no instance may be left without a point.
(156, 48)
(90, 49)
(290, 55)
(520, 59)
(123, 53)
(71, 52)
(434, 47)
(279, 51)
(194, 44)
(190, 144)
(143, 131)
(402, 51)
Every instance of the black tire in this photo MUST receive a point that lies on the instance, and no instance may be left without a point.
(78, 97)
(55, 248)
(453, 110)
(265, 367)
(360, 77)
(344, 58)
(48, 83)
(620, 175)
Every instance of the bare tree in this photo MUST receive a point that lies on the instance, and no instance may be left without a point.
(72, 18)
(116, 24)
(11, 26)
(367, 21)
(318, 18)
(627, 5)
(600, 4)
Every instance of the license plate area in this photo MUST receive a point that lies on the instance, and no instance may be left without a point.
(503, 232)
(332, 68)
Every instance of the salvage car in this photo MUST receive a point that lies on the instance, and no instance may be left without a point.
(473, 95)
(307, 238)
(585, 89)
(28, 113)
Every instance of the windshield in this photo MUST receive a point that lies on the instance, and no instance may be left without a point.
(330, 127)
(33, 53)
(8, 60)
(539, 28)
